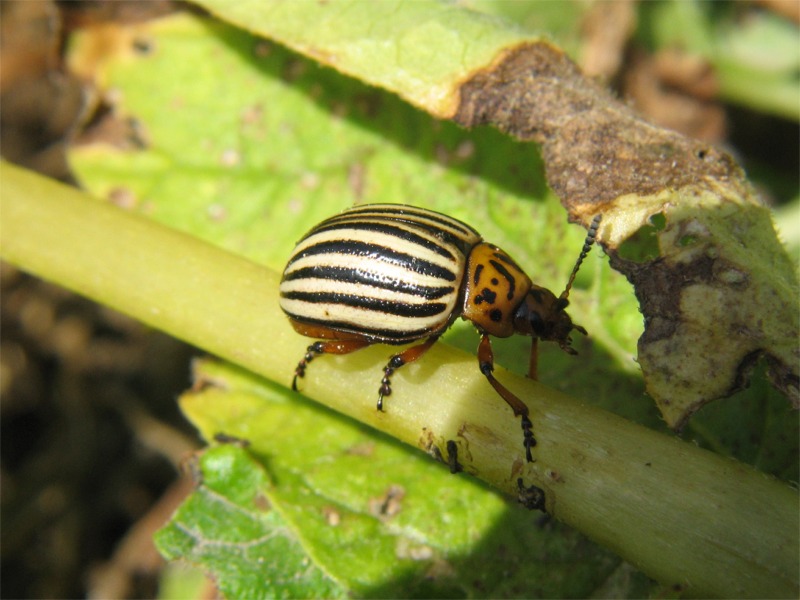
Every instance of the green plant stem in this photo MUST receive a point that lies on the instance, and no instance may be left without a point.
(684, 516)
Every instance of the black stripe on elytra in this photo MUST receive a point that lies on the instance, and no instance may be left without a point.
(397, 231)
(376, 252)
(416, 221)
(356, 275)
(400, 309)
(502, 256)
(386, 336)
(400, 211)
(512, 282)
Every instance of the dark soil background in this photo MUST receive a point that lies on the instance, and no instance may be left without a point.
(91, 439)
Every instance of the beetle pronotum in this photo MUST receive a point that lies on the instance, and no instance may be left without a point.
(397, 274)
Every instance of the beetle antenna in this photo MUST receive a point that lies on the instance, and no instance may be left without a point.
(591, 235)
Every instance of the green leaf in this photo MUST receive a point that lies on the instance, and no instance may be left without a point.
(179, 580)
(227, 525)
(416, 49)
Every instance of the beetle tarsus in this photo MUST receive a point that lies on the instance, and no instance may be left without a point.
(529, 441)
(384, 390)
(395, 363)
(313, 350)
(386, 385)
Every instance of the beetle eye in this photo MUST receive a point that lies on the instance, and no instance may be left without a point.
(561, 304)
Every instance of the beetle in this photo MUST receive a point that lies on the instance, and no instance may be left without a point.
(397, 274)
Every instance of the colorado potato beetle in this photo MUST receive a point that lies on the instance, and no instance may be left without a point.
(397, 274)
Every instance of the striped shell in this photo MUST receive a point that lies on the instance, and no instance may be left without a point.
(390, 273)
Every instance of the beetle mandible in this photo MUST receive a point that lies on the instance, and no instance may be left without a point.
(397, 274)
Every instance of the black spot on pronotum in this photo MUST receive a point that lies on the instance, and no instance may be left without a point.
(477, 277)
(512, 284)
(488, 295)
(496, 315)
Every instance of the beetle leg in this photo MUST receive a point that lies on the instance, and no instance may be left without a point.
(486, 363)
(329, 347)
(398, 360)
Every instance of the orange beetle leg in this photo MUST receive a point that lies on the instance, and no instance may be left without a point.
(408, 355)
(486, 363)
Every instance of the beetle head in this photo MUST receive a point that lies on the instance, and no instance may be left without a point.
(543, 315)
